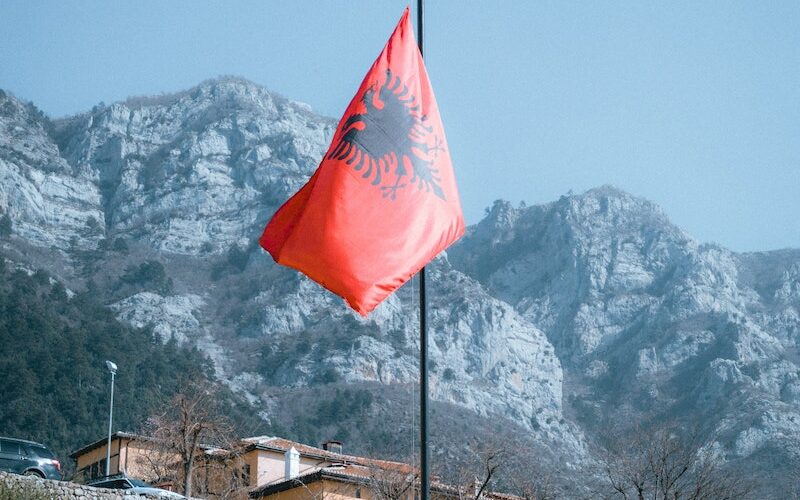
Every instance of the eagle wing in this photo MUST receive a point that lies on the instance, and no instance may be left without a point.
(389, 139)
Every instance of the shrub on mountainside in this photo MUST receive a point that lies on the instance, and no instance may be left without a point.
(149, 275)
(234, 262)
(120, 245)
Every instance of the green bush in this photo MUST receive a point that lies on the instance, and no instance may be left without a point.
(150, 275)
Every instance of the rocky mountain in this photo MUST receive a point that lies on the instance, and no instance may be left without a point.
(176, 190)
(50, 207)
(649, 324)
(558, 321)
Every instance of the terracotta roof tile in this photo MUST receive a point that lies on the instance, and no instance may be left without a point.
(282, 444)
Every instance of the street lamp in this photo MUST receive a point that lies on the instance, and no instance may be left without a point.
(112, 367)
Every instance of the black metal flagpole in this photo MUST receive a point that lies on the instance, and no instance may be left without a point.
(423, 336)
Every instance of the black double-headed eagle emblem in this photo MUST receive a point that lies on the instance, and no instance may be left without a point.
(390, 141)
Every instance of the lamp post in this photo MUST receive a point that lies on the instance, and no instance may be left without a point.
(112, 367)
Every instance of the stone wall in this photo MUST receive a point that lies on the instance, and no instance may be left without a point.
(35, 488)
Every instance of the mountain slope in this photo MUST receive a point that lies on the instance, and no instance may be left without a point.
(49, 206)
(650, 325)
(53, 380)
(186, 183)
(567, 319)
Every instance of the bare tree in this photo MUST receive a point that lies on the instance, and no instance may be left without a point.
(223, 473)
(492, 459)
(392, 484)
(665, 464)
(186, 427)
(479, 472)
(530, 482)
(158, 464)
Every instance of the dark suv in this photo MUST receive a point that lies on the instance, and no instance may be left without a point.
(29, 458)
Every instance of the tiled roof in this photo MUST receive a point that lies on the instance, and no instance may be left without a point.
(356, 474)
(206, 448)
(283, 445)
(365, 475)
(100, 442)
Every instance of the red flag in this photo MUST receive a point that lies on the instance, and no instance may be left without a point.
(383, 201)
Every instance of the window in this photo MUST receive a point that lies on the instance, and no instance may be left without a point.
(97, 469)
(41, 452)
(10, 447)
(120, 484)
(358, 492)
(246, 474)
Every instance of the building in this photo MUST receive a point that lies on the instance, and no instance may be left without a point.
(127, 449)
(273, 459)
(217, 472)
(132, 454)
(266, 467)
(286, 470)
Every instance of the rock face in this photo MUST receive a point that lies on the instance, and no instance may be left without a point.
(49, 206)
(565, 318)
(189, 180)
(646, 321)
(186, 172)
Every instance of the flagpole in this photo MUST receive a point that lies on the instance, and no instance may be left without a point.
(423, 333)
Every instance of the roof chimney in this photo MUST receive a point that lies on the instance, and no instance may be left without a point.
(292, 463)
(332, 446)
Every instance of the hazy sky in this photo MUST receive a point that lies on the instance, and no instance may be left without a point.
(694, 105)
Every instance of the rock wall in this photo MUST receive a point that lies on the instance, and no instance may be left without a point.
(31, 487)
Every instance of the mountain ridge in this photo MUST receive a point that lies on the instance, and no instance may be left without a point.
(566, 318)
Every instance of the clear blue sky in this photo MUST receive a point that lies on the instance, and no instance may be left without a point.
(694, 105)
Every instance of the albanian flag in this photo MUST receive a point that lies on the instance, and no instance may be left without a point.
(383, 201)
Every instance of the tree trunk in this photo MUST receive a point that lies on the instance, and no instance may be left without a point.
(187, 477)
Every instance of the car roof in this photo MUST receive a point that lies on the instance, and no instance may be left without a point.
(112, 477)
(23, 441)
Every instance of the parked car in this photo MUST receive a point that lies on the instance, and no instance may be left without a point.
(29, 458)
(122, 482)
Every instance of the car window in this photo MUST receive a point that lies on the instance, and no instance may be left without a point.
(41, 452)
(121, 484)
(10, 447)
(102, 484)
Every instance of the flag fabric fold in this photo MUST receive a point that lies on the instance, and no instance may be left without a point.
(383, 201)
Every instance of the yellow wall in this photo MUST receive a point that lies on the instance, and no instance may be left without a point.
(324, 490)
(98, 455)
(312, 491)
(270, 467)
(251, 459)
(127, 455)
(138, 458)
(335, 490)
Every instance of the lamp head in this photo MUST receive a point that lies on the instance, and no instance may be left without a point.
(112, 367)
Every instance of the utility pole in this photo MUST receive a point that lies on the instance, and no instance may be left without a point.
(112, 367)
